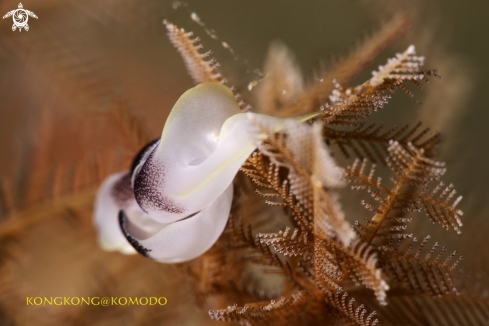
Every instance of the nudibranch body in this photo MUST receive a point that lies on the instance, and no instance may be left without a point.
(174, 202)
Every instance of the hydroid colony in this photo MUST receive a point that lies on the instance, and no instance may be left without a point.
(286, 217)
(320, 254)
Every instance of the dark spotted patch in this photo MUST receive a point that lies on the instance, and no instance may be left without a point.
(140, 155)
(122, 190)
(140, 249)
(148, 184)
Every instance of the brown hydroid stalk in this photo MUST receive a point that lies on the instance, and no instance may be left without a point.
(379, 218)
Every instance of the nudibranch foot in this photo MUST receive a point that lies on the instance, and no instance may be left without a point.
(185, 239)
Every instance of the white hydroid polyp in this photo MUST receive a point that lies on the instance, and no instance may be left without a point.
(177, 200)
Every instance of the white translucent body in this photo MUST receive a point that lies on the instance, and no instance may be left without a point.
(189, 173)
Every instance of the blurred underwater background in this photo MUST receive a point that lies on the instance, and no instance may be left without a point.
(77, 87)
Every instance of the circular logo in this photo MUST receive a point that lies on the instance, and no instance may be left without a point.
(20, 17)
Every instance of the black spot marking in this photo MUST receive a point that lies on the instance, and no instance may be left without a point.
(140, 249)
(122, 190)
(140, 155)
(149, 184)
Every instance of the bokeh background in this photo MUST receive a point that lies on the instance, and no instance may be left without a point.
(59, 80)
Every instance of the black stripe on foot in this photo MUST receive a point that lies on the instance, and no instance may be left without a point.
(140, 249)
(142, 153)
(191, 215)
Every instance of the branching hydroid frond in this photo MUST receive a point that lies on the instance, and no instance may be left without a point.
(205, 275)
(299, 308)
(410, 167)
(372, 141)
(200, 69)
(303, 155)
(346, 70)
(359, 263)
(335, 264)
(347, 311)
(217, 274)
(265, 174)
(288, 244)
(258, 252)
(349, 105)
(274, 312)
(428, 274)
